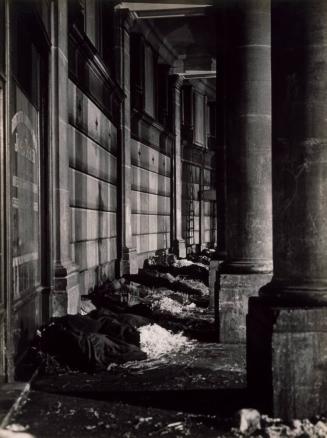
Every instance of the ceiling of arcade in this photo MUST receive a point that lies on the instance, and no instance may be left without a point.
(189, 29)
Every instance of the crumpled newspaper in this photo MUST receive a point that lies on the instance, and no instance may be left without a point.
(156, 341)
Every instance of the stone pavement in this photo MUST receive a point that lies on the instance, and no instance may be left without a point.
(188, 394)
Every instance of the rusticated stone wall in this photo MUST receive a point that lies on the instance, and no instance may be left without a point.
(93, 189)
(151, 190)
(93, 118)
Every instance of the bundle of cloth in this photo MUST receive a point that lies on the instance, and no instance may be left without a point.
(152, 278)
(175, 267)
(92, 342)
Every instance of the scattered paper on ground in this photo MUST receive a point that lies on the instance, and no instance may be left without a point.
(168, 305)
(157, 341)
(195, 284)
(15, 431)
(275, 428)
(184, 262)
(298, 428)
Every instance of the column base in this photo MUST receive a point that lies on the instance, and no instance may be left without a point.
(179, 249)
(213, 282)
(128, 264)
(287, 359)
(310, 293)
(250, 266)
(65, 297)
(221, 254)
(234, 293)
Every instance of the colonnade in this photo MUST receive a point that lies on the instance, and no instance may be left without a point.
(275, 76)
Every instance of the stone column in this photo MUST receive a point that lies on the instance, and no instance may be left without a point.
(178, 243)
(220, 135)
(287, 325)
(65, 296)
(202, 244)
(127, 254)
(247, 78)
(218, 127)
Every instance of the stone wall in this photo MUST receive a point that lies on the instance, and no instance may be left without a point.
(151, 189)
(151, 146)
(93, 120)
(93, 189)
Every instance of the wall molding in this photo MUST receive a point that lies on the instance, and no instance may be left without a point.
(199, 156)
(92, 76)
(148, 131)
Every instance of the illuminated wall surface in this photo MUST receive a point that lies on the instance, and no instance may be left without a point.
(91, 159)
(92, 140)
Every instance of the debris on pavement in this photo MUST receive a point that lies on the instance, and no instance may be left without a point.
(86, 306)
(15, 430)
(250, 423)
(169, 305)
(157, 341)
(176, 427)
(275, 428)
(7, 433)
(14, 427)
(247, 421)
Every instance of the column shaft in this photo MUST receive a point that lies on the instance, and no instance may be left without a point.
(247, 80)
(287, 324)
(220, 136)
(299, 68)
(178, 242)
(201, 244)
(248, 160)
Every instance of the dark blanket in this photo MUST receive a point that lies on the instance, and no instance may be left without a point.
(92, 343)
(153, 278)
(105, 299)
(194, 272)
